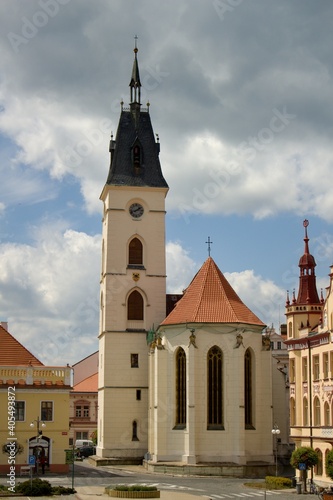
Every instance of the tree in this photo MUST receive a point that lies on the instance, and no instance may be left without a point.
(304, 455)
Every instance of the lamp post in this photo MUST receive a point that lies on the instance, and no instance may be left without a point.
(40, 424)
(39, 431)
(276, 432)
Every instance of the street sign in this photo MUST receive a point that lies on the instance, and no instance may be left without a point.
(302, 466)
(32, 460)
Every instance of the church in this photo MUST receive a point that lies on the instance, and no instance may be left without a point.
(185, 379)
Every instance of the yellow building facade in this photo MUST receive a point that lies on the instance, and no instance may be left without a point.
(310, 348)
(34, 399)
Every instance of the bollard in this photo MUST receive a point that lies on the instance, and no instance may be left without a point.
(298, 488)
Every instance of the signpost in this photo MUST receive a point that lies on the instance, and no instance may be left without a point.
(32, 463)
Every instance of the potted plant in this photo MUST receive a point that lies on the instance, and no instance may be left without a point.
(304, 458)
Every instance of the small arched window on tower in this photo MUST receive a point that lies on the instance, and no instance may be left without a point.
(135, 431)
(137, 157)
(135, 306)
(135, 253)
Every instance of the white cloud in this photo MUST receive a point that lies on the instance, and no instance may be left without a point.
(180, 267)
(49, 293)
(263, 297)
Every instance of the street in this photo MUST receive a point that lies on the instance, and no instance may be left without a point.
(216, 488)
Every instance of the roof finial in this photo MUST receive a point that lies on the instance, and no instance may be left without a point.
(209, 243)
(135, 44)
(306, 239)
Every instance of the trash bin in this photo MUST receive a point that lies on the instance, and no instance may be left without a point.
(298, 488)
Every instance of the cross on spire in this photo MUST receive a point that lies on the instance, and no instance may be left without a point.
(209, 243)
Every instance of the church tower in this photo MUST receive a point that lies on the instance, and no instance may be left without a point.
(133, 278)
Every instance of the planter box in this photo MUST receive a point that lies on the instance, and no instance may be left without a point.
(328, 496)
(133, 494)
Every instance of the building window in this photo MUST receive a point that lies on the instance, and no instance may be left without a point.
(135, 306)
(325, 364)
(138, 394)
(81, 435)
(82, 411)
(327, 414)
(135, 431)
(47, 411)
(292, 412)
(316, 411)
(279, 345)
(318, 469)
(135, 253)
(316, 371)
(292, 371)
(134, 361)
(248, 390)
(181, 388)
(19, 411)
(215, 388)
(305, 412)
(305, 369)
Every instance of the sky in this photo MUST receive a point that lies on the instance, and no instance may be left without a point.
(240, 94)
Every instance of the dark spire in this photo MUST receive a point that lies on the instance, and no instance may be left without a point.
(134, 151)
(135, 84)
(307, 293)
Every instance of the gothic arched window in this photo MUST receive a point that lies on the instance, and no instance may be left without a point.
(305, 411)
(248, 390)
(318, 469)
(181, 388)
(135, 252)
(215, 388)
(327, 414)
(316, 411)
(135, 306)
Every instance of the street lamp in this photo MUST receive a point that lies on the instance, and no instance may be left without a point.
(276, 432)
(39, 431)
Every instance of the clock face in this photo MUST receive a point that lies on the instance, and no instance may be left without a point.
(136, 210)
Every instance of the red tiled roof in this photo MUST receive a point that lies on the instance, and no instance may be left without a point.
(89, 384)
(210, 299)
(13, 353)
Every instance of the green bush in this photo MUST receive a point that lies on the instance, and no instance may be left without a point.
(277, 483)
(62, 490)
(329, 464)
(134, 487)
(35, 488)
(39, 487)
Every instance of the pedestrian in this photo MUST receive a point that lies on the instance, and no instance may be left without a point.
(42, 463)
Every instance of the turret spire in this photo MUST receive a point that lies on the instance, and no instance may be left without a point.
(135, 84)
(307, 293)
